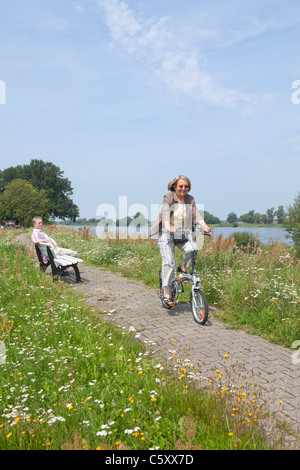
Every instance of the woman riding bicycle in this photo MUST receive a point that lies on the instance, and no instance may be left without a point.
(179, 211)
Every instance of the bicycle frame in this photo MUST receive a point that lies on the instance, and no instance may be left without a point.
(194, 277)
(197, 298)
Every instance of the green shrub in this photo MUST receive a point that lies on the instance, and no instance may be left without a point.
(73, 381)
(254, 288)
(245, 239)
(292, 223)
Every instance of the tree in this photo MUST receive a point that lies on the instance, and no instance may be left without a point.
(270, 215)
(252, 217)
(231, 218)
(292, 223)
(264, 219)
(280, 214)
(248, 218)
(257, 218)
(139, 220)
(211, 219)
(21, 202)
(49, 177)
(124, 222)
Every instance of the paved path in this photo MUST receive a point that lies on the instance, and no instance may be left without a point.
(131, 304)
(136, 307)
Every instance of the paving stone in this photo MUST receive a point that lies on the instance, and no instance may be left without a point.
(270, 366)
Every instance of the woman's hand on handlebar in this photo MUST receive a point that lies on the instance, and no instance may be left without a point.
(171, 229)
(208, 230)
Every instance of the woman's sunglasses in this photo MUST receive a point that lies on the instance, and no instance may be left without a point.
(182, 186)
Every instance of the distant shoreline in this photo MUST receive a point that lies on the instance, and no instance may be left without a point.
(263, 233)
(222, 224)
(241, 225)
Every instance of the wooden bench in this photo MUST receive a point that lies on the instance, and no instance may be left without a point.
(58, 263)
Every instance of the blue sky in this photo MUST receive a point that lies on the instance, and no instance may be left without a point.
(125, 95)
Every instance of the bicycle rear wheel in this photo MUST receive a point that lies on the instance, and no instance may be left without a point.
(199, 306)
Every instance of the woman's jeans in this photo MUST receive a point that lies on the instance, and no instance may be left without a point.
(166, 245)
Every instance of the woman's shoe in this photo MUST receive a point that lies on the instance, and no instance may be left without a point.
(168, 302)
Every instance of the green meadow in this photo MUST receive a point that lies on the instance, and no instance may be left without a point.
(70, 380)
(255, 287)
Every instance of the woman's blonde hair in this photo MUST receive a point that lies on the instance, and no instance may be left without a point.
(172, 185)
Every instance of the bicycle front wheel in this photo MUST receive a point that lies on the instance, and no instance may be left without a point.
(199, 307)
(174, 290)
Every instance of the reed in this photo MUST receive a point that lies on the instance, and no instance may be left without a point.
(253, 286)
(74, 381)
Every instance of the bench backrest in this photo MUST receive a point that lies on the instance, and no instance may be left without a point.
(44, 251)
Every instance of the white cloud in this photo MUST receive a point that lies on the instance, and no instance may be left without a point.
(120, 19)
(172, 61)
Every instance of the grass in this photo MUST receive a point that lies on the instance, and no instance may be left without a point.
(255, 288)
(73, 381)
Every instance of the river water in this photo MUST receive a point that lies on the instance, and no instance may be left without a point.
(266, 235)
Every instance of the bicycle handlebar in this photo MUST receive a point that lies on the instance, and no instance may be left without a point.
(187, 234)
(197, 228)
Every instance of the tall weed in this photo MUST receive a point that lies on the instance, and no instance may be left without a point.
(254, 287)
(73, 381)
